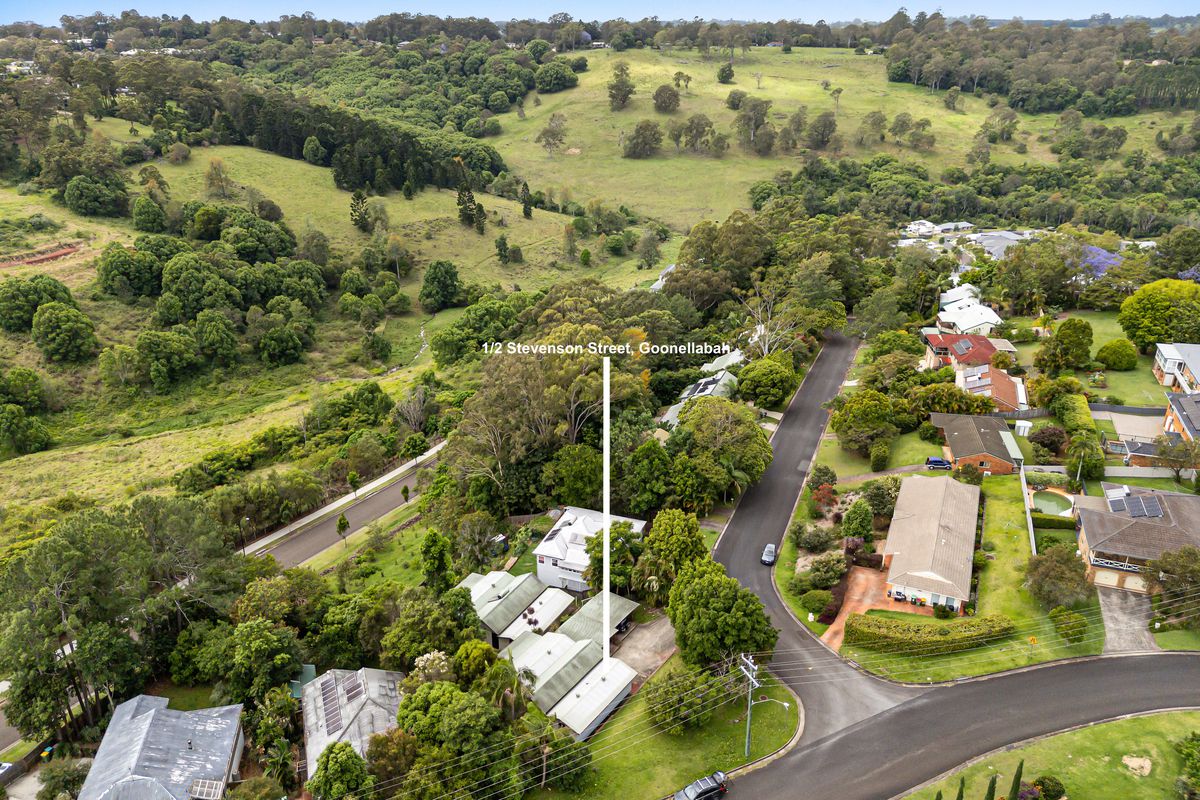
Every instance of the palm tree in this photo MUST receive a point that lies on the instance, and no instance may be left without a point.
(737, 478)
(652, 578)
(537, 726)
(507, 687)
(277, 762)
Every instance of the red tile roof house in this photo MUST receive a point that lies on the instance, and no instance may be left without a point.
(1007, 392)
(961, 349)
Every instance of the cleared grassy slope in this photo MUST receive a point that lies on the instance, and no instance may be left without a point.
(681, 189)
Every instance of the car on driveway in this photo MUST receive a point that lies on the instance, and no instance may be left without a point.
(703, 789)
(768, 556)
(935, 462)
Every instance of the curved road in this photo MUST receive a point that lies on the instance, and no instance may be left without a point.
(867, 739)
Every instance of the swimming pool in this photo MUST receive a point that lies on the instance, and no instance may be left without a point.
(1052, 503)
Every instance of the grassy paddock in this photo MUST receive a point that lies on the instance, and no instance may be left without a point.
(1088, 761)
(701, 186)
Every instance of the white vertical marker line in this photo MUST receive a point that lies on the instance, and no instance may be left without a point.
(607, 510)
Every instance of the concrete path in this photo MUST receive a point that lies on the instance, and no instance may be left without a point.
(1125, 621)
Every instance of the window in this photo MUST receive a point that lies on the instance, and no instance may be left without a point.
(554, 562)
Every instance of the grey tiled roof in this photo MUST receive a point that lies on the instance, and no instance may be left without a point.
(1117, 533)
(968, 435)
(932, 535)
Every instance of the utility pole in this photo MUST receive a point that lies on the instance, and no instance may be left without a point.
(750, 670)
(607, 511)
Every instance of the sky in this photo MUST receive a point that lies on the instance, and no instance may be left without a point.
(48, 11)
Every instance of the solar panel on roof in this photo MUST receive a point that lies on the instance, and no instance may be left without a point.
(354, 688)
(1116, 504)
(1153, 506)
(329, 701)
(961, 347)
(1136, 509)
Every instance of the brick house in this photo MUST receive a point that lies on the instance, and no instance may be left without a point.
(985, 442)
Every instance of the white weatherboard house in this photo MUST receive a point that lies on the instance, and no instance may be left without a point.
(969, 318)
(562, 555)
(570, 679)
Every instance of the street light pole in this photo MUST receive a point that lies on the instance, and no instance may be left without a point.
(750, 670)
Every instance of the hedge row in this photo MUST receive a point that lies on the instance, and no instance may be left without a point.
(923, 638)
(1046, 479)
(1073, 412)
(1052, 521)
(835, 605)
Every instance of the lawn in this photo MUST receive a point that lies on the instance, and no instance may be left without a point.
(907, 449)
(1088, 761)
(1136, 387)
(705, 187)
(18, 751)
(1178, 640)
(633, 760)
(1001, 591)
(182, 698)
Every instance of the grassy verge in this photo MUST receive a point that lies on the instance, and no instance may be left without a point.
(18, 751)
(907, 449)
(1001, 591)
(1088, 761)
(661, 763)
(1178, 640)
(333, 556)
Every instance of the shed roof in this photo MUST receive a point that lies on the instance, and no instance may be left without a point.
(932, 536)
(500, 597)
(606, 681)
(587, 622)
(556, 662)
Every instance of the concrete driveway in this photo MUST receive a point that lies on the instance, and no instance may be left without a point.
(648, 646)
(1125, 621)
(1133, 424)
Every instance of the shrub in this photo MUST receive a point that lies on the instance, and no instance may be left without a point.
(734, 99)
(815, 539)
(822, 475)
(1071, 625)
(1050, 787)
(858, 520)
(801, 584)
(1051, 437)
(1046, 479)
(1041, 520)
(1041, 455)
(827, 570)
(881, 451)
(683, 699)
(942, 612)
(929, 432)
(1057, 578)
(901, 636)
(1119, 354)
(725, 73)
(815, 601)
(979, 560)
(969, 473)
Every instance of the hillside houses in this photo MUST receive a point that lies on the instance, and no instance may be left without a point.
(1006, 391)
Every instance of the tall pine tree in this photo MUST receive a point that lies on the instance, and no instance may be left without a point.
(526, 200)
(466, 205)
(1014, 791)
(358, 210)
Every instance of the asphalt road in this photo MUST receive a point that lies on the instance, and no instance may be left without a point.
(867, 739)
(300, 547)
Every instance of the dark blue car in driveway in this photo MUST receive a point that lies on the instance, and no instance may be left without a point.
(703, 789)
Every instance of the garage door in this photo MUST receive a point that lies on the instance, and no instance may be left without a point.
(1135, 583)
(1105, 577)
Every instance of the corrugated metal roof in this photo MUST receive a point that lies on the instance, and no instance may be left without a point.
(363, 703)
(587, 622)
(151, 752)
